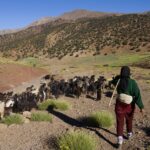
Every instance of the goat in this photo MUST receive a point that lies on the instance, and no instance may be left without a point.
(2, 109)
(5, 106)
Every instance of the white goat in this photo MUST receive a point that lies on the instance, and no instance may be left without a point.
(2, 109)
(35, 91)
(3, 105)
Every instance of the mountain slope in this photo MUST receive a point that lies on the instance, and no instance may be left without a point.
(2, 32)
(61, 37)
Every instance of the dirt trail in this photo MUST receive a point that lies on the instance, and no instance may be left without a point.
(12, 75)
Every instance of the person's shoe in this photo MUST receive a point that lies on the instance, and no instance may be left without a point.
(120, 141)
(129, 135)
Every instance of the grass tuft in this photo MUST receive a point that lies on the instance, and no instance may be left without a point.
(100, 119)
(13, 119)
(77, 141)
(41, 116)
(54, 104)
(44, 105)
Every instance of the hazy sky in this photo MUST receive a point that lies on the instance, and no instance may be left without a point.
(19, 13)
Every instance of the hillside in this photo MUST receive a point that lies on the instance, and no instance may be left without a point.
(94, 35)
(2, 32)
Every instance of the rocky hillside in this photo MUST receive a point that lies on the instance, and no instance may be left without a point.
(2, 32)
(67, 36)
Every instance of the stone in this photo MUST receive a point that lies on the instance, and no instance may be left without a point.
(26, 120)
(27, 114)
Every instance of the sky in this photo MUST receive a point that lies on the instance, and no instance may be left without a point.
(20, 13)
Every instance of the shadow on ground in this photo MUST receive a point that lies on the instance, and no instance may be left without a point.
(81, 122)
(52, 143)
(108, 94)
(146, 130)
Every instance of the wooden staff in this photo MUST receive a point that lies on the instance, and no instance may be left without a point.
(113, 93)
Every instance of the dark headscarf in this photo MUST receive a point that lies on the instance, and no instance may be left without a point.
(124, 78)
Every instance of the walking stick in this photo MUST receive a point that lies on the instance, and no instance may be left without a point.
(113, 93)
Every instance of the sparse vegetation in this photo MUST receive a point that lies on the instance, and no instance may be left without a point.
(111, 37)
(30, 61)
(41, 116)
(77, 141)
(115, 32)
(13, 119)
(54, 104)
(144, 63)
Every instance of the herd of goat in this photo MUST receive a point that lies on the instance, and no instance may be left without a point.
(52, 88)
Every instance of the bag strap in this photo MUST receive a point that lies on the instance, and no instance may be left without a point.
(113, 93)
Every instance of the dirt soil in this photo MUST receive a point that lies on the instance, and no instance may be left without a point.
(12, 75)
(42, 136)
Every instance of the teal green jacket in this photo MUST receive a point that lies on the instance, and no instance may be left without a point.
(132, 90)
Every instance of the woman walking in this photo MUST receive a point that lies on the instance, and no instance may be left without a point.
(128, 96)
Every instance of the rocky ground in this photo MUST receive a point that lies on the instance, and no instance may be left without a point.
(42, 136)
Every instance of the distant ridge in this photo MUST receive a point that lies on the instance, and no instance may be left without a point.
(73, 15)
(81, 13)
(43, 21)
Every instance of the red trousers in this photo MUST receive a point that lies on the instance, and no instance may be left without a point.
(124, 112)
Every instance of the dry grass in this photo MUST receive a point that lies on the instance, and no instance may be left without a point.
(13, 119)
(100, 119)
(54, 104)
(41, 116)
(77, 141)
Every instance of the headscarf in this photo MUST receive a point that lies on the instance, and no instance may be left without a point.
(124, 78)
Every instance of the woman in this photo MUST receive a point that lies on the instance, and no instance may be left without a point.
(128, 96)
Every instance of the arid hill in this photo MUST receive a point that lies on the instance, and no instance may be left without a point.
(72, 35)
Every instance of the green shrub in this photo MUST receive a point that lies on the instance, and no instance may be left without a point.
(54, 104)
(13, 119)
(44, 105)
(61, 105)
(101, 119)
(77, 141)
(41, 116)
